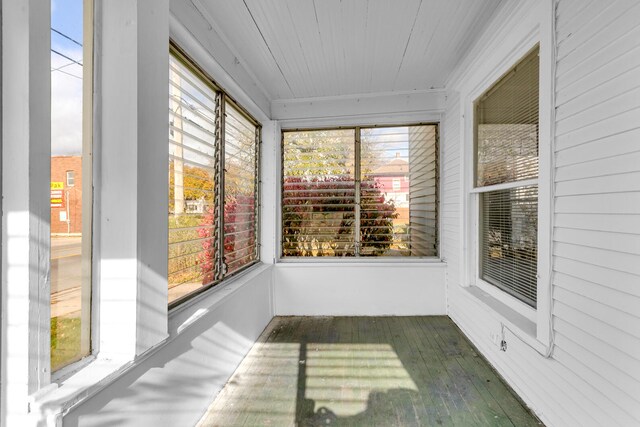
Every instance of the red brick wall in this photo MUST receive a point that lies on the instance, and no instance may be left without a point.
(72, 196)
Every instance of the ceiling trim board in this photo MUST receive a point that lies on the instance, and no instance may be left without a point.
(384, 119)
(426, 101)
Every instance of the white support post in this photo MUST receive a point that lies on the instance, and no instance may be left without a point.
(133, 100)
(270, 191)
(25, 216)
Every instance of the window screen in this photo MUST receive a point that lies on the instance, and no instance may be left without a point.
(507, 155)
(360, 192)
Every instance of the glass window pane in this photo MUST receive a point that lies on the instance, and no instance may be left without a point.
(507, 126)
(240, 177)
(192, 160)
(507, 152)
(509, 236)
(398, 191)
(318, 195)
(70, 199)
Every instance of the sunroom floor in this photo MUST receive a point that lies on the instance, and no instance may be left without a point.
(365, 371)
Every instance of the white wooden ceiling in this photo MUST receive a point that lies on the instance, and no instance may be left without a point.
(316, 48)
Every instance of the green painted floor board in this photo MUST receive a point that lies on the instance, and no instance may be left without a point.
(365, 371)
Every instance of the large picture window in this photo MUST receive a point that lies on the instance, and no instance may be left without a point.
(213, 184)
(506, 180)
(360, 192)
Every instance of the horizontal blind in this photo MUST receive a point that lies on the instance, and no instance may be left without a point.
(507, 152)
(398, 191)
(240, 184)
(318, 194)
(192, 153)
(507, 126)
(509, 241)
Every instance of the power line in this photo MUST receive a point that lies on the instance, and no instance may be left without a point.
(66, 36)
(68, 74)
(65, 56)
(63, 66)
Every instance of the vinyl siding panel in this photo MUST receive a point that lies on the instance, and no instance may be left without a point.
(593, 375)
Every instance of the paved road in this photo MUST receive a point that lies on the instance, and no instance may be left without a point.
(65, 275)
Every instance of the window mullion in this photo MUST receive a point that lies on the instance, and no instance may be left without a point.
(219, 188)
(358, 178)
(257, 192)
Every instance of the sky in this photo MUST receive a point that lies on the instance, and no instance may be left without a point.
(66, 90)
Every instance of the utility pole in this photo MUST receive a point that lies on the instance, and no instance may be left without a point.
(178, 162)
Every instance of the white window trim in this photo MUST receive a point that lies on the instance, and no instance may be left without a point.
(369, 123)
(540, 318)
(72, 174)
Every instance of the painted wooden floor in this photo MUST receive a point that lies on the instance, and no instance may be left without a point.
(365, 371)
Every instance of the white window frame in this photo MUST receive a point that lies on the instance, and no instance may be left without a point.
(537, 320)
(71, 174)
(179, 54)
(365, 124)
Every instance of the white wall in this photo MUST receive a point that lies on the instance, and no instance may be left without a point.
(593, 375)
(175, 384)
(347, 289)
(379, 287)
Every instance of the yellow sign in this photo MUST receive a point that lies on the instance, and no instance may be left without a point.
(57, 185)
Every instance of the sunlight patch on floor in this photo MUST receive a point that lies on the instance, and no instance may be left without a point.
(341, 378)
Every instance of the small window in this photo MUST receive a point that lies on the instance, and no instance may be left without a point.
(71, 178)
(506, 180)
(364, 192)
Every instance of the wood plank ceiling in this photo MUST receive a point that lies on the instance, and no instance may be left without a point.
(317, 48)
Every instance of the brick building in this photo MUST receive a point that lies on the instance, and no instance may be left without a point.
(66, 194)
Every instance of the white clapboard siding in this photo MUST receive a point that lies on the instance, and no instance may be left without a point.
(602, 276)
(593, 375)
(596, 20)
(451, 187)
(612, 223)
(613, 145)
(614, 165)
(604, 41)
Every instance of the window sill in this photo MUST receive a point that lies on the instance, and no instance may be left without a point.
(369, 262)
(522, 327)
(186, 314)
(56, 399)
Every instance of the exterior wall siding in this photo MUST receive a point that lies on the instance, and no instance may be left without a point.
(593, 374)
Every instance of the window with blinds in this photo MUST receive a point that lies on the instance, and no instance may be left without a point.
(212, 215)
(506, 141)
(360, 192)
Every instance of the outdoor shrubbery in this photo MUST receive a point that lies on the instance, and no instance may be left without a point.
(333, 197)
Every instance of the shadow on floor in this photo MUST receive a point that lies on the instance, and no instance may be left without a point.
(366, 371)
